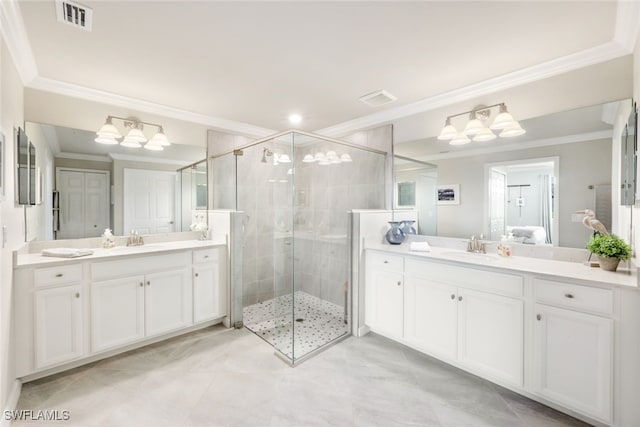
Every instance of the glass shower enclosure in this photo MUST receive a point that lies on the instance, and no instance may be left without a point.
(292, 194)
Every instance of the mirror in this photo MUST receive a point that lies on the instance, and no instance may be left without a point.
(628, 160)
(415, 189)
(22, 167)
(94, 186)
(582, 141)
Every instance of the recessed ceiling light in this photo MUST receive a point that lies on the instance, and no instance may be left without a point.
(294, 119)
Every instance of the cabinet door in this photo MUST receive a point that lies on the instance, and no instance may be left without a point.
(207, 302)
(58, 313)
(168, 303)
(431, 316)
(117, 312)
(385, 308)
(491, 335)
(572, 360)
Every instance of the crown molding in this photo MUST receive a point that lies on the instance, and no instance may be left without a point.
(602, 53)
(95, 95)
(79, 156)
(133, 158)
(15, 35)
(499, 148)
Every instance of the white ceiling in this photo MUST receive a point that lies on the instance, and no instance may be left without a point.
(256, 62)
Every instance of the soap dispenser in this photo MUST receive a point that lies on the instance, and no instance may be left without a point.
(504, 247)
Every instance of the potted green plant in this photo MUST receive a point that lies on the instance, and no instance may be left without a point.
(609, 249)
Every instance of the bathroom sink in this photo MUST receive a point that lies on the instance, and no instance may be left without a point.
(470, 256)
(134, 249)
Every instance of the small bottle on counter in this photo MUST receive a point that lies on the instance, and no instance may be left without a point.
(108, 239)
(504, 247)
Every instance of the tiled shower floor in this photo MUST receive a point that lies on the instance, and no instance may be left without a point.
(272, 320)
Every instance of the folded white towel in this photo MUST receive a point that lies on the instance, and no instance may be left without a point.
(420, 247)
(66, 252)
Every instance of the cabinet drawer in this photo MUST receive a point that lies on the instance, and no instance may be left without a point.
(139, 265)
(205, 255)
(574, 296)
(472, 278)
(379, 261)
(57, 275)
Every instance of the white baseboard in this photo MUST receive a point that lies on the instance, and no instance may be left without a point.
(363, 330)
(12, 402)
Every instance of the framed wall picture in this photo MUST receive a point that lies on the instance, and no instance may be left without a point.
(449, 194)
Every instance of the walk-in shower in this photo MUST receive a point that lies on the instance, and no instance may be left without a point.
(293, 194)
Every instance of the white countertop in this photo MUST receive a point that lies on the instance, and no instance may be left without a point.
(550, 268)
(36, 259)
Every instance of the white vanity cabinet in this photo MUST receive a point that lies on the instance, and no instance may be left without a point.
(209, 290)
(140, 297)
(71, 312)
(572, 349)
(385, 294)
(58, 325)
(482, 331)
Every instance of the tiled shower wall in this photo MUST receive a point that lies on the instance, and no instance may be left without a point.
(314, 203)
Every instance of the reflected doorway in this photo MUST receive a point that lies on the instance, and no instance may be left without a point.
(522, 200)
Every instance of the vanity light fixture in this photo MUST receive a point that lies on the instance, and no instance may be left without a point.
(331, 158)
(109, 134)
(476, 129)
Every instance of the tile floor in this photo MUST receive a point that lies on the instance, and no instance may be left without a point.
(226, 377)
(272, 320)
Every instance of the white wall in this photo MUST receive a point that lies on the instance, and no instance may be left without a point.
(581, 164)
(11, 215)
(39, 217)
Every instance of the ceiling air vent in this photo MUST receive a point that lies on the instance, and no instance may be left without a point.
(376, 99)
(74, 14)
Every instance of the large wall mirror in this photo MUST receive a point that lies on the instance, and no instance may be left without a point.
(90, 186)
(534, 183)
(628, 159)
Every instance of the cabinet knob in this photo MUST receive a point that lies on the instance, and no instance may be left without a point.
(206, 256)
(460, 298)
(141, 284)
(77, 294)
(539, 316)
(95, 225)
(386, 262)
(59, 275)
(453, 296)
(399, 283)
(148, 283)
(568, 295)
(196, 274)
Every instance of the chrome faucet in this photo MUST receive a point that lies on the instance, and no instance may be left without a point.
(475, 245)
(134, 239)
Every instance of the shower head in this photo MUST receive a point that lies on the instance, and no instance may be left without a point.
(265, 153)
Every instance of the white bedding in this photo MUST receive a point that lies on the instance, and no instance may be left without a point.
(528, 234)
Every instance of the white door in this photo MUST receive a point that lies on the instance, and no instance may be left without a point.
(431, 316)
(168, 301)
(572, 360)
(149, 201)
(491, 335)
(58, 325)
(206, 293)
(84, 203)
(388, 303)
(497, 204)
(117, 312)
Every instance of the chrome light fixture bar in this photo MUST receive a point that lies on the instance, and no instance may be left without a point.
(110, 135)
(476, 128)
